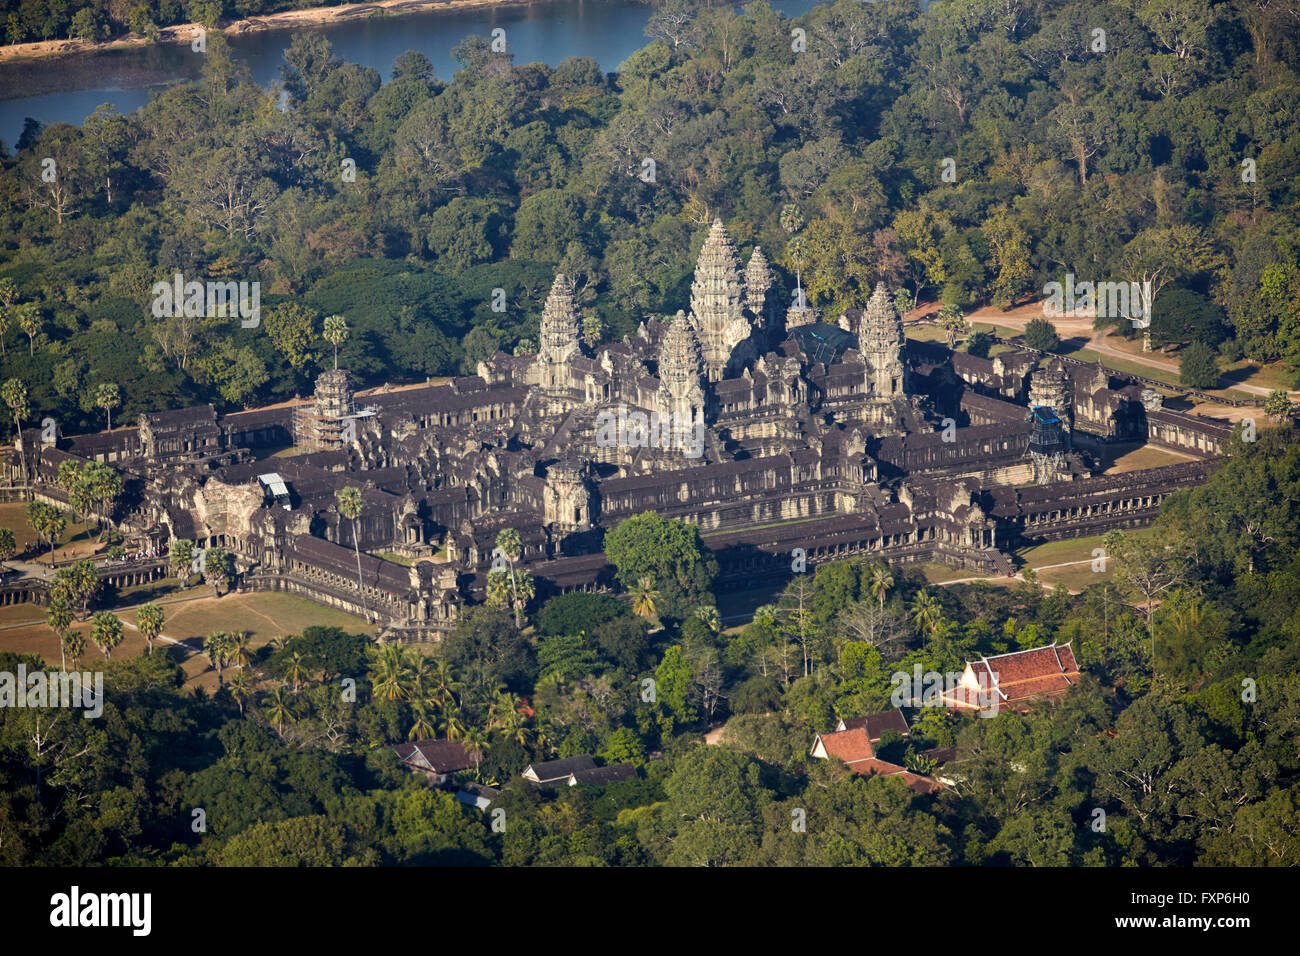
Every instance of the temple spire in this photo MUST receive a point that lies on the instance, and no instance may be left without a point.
(559, 331)
(717, 300)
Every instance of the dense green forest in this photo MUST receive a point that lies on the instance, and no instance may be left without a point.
(1182, 730)
(1122, 164)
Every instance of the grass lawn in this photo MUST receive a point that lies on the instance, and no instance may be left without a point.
(1272, 376)
(265, 615)
(392, 558)
(1002, 331)
(1145, 456)
(78, 536)
(939, 573)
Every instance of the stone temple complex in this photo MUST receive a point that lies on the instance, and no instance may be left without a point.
(769, 431)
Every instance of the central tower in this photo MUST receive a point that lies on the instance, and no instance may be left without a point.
(718, 301)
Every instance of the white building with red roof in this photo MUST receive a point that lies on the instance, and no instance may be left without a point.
(1013, 680)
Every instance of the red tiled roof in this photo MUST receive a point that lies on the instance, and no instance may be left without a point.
(884, 768)
(1020, 675)
(877, 724)
(850, 746)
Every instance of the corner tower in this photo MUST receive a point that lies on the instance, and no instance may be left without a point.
(559, 339)
(681, 395)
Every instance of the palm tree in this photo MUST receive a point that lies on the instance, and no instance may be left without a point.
(217, 568)
(217, 647)
(443, 685)
(106, 632)
(450, 723)
(59, 617)
(241, 688)
(503, 708)
(279, 709)
(476, 741)
(240, 649)
(73, 644)
(498, 588)
(512, 547)
(335, 333)
(881, 582)
(392, 676)
(295, 671)
(14, 394)
(708, 613)
(149, 622)
(644, 596)
(181, 555)
(525, 591)
(423, 728)
(30, 321)
(82, 581)
(926, 613)
(108, 397)
(350, 506)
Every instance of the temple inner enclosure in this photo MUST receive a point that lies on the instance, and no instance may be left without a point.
(835, 435)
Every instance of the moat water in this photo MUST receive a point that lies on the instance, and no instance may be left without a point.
(69, 89)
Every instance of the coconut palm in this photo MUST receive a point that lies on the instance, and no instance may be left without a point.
(59, 617)
(450, 723)
(423, 727)
(350, 506)
(149, 621)
(644, 597)
(391, 674)
(295, 671)
(926, 613)
(503, 708)
(106, 632)
(278, 709)
(241, 688)
(241, 649)
(475, 740)
(881, 581)
(443, 685)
